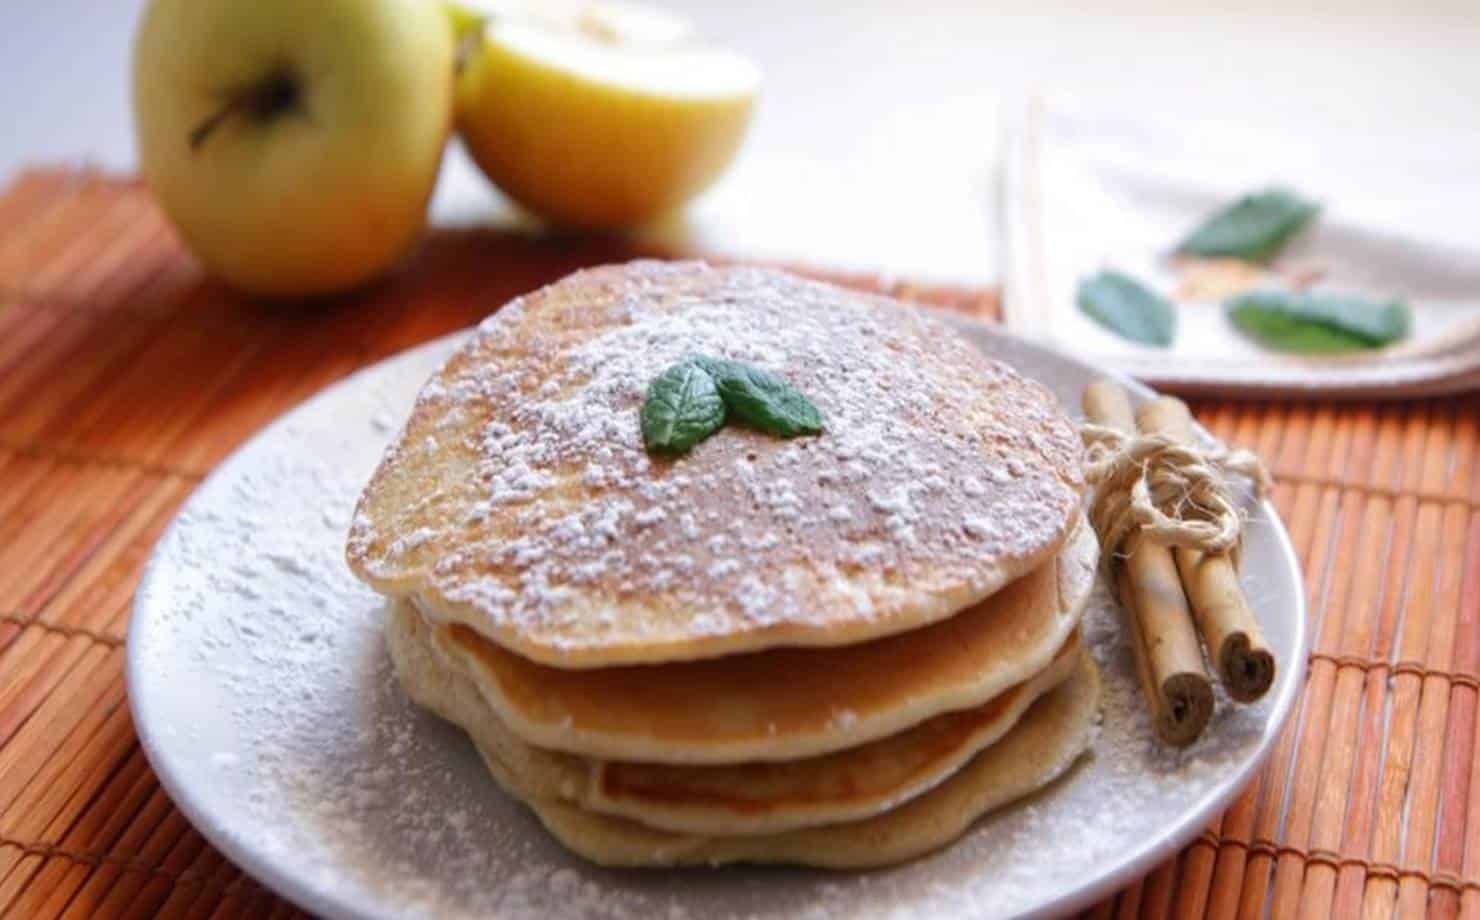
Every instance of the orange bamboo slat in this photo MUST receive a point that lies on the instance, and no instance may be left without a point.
(54, 222)
(60, 870)
(62, 518)
(1382, 604)
(1356, 574)
(1455, 783)
(126, 374)
(1197, 875)
(24, 325)
(81, 357)
(1470, 818)
(87, 531)
(100, 257)
(1307, 510)
(29, 195)
(78, 715)
(1264, 431)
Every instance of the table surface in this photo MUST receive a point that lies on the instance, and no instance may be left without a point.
(875, 143)
(126, 375)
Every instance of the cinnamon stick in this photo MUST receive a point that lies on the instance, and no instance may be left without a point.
(1169, 659)
(1240, 653)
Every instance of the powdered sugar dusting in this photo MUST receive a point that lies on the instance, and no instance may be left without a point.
(938, 467)
(263, 694)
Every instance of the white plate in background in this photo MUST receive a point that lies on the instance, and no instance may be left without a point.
(1086, 188)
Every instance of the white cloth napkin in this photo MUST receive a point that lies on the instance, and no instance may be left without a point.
(1086, 190)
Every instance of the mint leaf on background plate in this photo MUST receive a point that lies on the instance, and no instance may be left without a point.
(1253, 228)
(1318, 323)
(1127, 307)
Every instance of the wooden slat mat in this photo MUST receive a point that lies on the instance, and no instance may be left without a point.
(125, 375)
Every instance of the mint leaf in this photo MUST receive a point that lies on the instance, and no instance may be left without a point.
(1253, 228)
(683, 407)
(1127, 307)
(761, 399)
(1316, 323)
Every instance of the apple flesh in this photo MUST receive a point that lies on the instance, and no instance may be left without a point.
(605, 120)
(293, 145)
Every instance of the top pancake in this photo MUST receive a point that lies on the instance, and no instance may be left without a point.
(520, 501)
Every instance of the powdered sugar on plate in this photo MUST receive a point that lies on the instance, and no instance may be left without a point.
(265, 700)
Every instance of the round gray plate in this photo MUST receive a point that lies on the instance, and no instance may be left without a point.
(262, 693)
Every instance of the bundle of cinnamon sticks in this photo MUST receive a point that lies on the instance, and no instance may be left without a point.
(1174, 594)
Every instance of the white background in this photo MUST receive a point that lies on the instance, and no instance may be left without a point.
(875, 143)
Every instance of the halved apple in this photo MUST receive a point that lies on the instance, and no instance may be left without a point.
(600, 115)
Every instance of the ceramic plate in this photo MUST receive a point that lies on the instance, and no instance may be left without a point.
(261, 690)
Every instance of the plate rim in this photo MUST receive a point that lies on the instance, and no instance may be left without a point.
(303, 893)
(1195, 819)
(261, 868)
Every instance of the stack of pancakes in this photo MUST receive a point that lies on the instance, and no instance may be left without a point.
(835, 650)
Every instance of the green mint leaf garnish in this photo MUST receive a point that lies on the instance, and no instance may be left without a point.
(1315, 323)
(762, 400)
(1127, 307)
(691, 400)
(1254, 228)
(683, 407)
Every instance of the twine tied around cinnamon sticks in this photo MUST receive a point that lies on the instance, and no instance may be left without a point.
(1151, 485)
(1170, 532)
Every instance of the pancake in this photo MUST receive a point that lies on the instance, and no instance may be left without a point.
(1043, 745)
(784, 704)
(746, 798)
(519, 500)
(1038, 749)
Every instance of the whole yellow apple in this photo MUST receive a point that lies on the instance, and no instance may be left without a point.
(604, 118)
(293, 143)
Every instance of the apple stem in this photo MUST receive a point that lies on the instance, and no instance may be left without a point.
(278, 92)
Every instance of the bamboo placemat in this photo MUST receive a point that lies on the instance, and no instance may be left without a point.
(125, 375)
